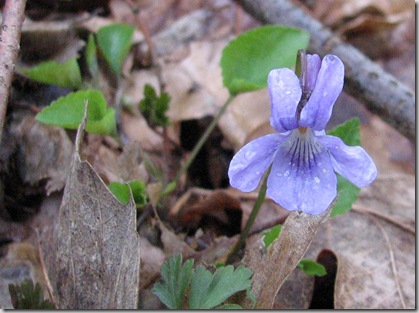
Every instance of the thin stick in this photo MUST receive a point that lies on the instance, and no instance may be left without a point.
(44, 271)
(381, 92)
(392, 261)
(11, 26)
(385, 217)
(203, 139)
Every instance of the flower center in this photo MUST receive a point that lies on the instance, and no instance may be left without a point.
(303, 148)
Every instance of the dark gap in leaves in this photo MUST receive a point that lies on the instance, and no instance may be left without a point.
(209, 169)
(324, 286)
(21, 200)
(26, 92)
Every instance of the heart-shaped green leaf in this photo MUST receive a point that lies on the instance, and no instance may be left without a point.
(347, 192)
(115, 41)
(247, 60)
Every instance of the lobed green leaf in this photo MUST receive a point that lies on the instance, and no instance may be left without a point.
(175, 281)
(210, 290)
(154, 107)
(29, 296)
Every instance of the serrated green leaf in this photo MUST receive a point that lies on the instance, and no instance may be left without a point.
(210, 290)
(348, 193)
(68, 111)
(154, 107)
(115, 42)
(66, 74)
(171, 289)
(121, 191)
(312, 268)
(270, 235)
(247, 60)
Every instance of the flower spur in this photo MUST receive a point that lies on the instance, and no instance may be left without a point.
(304, 159)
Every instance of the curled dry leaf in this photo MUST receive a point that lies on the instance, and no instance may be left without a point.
(93, 253)
(39, 36)
(195, 85)
(366, 24)
(217, 212)
(45, 153)
(374, 244)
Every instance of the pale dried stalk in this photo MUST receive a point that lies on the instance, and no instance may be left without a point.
(381, 92)
(13, 16)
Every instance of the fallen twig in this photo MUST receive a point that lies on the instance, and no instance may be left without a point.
(13, 16)
(365, 80)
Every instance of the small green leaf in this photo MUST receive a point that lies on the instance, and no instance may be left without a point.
(270, 235)
(210, 290)
(168, 189)
(348, 132)
(121, 191)
(247, 60)
(66, 74)
(68, 111)
(348, 193)
(115, 42)
(312, 268)
(91, 60)
(139, 192)
(29, 296)
(171, 290)
(154, 107)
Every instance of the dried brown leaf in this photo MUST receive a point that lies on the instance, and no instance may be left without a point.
(273, 267)
(374, 244)
(93, 255)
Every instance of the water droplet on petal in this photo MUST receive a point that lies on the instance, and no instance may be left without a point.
(248, 155)
(317, 180)
(257, 172)
(324, 170)
(279, 174)
(286, 173)
(324, 93)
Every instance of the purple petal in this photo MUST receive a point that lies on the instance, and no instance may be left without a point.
(313, 68)
(353, 163)
(304, 182)
(251, 161)
(329, 84)
(285, 92)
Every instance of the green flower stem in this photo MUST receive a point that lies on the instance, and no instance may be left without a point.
(251, 220)
(203, 139)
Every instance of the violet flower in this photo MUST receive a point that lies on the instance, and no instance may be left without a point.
(304, 159)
